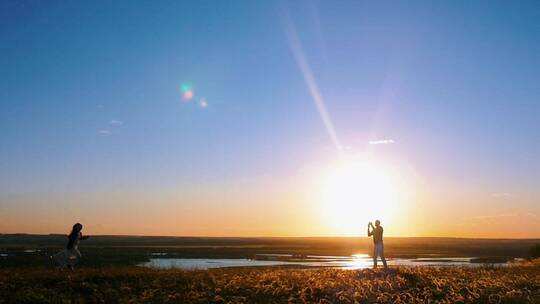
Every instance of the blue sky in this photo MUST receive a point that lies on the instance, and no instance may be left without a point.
(90, 96)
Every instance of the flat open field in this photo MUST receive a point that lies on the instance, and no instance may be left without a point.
(128, 284)
(107, 273)
(34, 250)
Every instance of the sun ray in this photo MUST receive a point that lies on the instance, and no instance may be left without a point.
(305, 68)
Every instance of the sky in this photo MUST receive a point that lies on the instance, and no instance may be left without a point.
(225, 118)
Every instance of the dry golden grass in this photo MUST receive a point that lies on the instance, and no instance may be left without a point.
(270, 285)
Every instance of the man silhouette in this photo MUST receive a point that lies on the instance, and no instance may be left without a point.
(378, 250)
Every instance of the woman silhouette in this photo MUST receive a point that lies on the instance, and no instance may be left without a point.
(70, 255)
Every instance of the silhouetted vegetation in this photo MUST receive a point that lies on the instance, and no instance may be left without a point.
(513, 284)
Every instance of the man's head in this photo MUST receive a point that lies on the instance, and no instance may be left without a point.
(377, 223)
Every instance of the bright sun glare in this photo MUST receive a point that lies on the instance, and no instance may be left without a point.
(357, 192)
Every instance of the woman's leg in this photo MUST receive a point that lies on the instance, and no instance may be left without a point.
(77, 252)
(61, 258)
(74, 256)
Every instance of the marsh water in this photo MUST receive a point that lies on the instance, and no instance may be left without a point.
(204, 253)
(357, 261)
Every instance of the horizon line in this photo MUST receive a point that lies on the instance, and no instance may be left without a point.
(275, 237)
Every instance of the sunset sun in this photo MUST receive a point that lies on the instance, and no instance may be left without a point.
(354, 193)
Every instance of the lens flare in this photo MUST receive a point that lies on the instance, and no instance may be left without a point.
(185, 87)
(203, 103)
(187, 91)
(187, 96)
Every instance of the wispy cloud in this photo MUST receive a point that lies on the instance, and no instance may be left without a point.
(501, 194)
(492, 216)
(381, 142)
(104, 132)
(115, 122)
(505, 215)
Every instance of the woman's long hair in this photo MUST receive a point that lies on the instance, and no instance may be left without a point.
(75, 230)
(74, 235)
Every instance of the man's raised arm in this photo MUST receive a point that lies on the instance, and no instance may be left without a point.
(369, 233)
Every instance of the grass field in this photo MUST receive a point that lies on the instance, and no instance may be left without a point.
(107, 273)
(128, 284)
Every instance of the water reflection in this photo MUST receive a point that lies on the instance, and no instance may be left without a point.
(357, 261)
